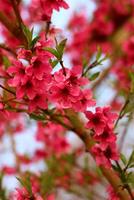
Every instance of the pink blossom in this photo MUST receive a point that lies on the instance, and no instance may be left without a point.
(112, 194)
(44, 8)
(85, 101)
(18, 70)
(39, 101)
(107, 136)
(26, 88)
(105, 154)
(39, 66)
(97, 121)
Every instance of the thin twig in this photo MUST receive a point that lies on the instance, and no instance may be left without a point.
(63, 67)
(121, 114)
(3, 46)
(10, 91)
(123, 136)
(91, 66)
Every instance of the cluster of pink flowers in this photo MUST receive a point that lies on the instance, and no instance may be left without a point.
(111, 28)
(35, 83)
(42, 10)
(54, 143)
(31, 80)
(66, 92)
(111, 194)
(102, 124)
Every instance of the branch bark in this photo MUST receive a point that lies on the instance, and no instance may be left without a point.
(111, 176)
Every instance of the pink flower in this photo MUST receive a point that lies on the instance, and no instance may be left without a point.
(39, 66)
(62, 92)
(111, 193)
(51, 197)
(128, 47)
(107, 136)
(85, 101)
(9, 170)
(42, 10)
(104, 154)
(97, 121)
(24, 54)
(26, 88)
(22, 194)
(39, 101)
(74, 76)
(110, 116)
(18, 71)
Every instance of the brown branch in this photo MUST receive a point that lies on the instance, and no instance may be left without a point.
(13, 28)
(6, 48)
(7, 23)
(6, 89)
(111, 176)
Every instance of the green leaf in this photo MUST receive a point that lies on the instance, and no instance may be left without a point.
(37, 117)
(6, 62)
(28, 34)
(61, 46)
(103, 59)
(54, 62)
(52, 51)
(123, 159)
(99, 53)
(94, 76)
(26, 183)
(84, 62)
(130, 105)
(131, 75)
(33, 42)
(131, 159)
(130, 178)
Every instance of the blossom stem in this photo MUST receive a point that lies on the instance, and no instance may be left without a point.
(63, 68)
(3, 46)
(92, 65)
(125, 185)
(124, 133)
(102, 77)
(10, 26)
(20, 21)
(17, 13)
(121, 115)
(10, 91)
(47, 28)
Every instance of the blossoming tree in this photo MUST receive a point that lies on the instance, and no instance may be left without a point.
(36, 85)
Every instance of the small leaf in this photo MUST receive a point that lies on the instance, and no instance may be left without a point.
(99, 53)
(131, 75)
(37, 117)
(27, 33)
(94, 76)
(54, 62)
(103, 59)
(34, 41)
(84, 62)
(130, 178)
(61, 46)
(6, 62)
(131, 159)
(26, 183)
(123, 159)
(52, 51)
